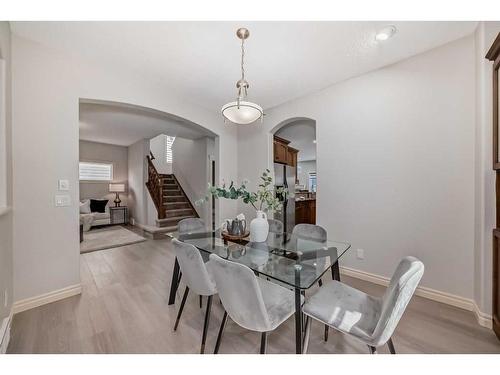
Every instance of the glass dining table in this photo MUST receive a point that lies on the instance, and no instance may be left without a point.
(294, 262)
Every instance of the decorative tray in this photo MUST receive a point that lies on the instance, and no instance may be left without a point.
(229, 237)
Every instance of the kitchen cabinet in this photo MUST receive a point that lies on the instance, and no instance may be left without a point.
(280, 152)
(305, 211)
(283, 153)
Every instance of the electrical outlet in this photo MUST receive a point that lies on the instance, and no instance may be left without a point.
(360, 254)
(62, 200)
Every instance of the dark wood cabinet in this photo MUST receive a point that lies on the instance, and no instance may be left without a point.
(280, 152)
(285, 154)
(305, 211)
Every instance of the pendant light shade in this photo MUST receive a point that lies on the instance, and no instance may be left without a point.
(245, 113)
(241, 111)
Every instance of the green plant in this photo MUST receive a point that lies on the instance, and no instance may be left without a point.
(264, 199)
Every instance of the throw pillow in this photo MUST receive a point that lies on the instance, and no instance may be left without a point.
(85, 207)
(98, 205)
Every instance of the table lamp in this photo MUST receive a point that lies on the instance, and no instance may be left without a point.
(117, 188)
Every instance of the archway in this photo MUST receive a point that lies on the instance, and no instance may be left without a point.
(293, 161)
(138, 130)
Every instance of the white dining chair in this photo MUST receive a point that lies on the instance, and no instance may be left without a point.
(369, 319)
(310, 232)
(198, 278)
(191, 225)
(251, 302)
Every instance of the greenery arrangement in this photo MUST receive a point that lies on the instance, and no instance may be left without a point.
(264, 199)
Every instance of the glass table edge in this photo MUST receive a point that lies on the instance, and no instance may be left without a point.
(347, 247)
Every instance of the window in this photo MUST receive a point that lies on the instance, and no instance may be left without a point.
(312, 181)
(96, 171)
(169, 154)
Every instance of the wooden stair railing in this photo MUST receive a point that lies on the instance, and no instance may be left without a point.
(155, 187)
(160, 187)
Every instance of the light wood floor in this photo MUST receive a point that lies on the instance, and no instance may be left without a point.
(123, 309)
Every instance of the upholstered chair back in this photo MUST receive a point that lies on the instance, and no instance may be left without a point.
(401, 288)
(191, 225)
(240, 294)
(310, 232)
(194, 271)
(275, 226)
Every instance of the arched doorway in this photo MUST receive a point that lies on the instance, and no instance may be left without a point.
(294, 167)
(158, 165)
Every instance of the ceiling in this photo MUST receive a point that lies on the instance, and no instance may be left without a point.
(284, 60)
(123, 125)
(301, 134)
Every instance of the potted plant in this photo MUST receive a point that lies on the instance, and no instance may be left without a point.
(263, 200)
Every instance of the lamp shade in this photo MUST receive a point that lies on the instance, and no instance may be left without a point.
(117, 188)
(245, 113)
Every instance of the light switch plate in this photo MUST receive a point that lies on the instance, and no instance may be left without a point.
(63, 185)
(360, 254)
(62, 200)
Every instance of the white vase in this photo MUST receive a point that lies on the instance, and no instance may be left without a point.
(259, 227)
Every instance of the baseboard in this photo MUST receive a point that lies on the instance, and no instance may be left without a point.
(43, 299)
(468, 304)
(5, 333)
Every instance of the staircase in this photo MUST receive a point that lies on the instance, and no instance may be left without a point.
(169, 198)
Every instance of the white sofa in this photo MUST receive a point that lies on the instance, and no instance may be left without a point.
(93, 219)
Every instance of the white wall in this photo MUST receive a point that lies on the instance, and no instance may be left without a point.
(137, 177)
(6, 266)
(50, 84)
(158, 146)
(102, 152)
(484, 176)
(190, 167)
(395, 163)
(303, 170)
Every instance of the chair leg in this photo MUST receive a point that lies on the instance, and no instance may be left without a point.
(373, 350)
(184, 297)
(205, 325)
(390, 344)
(263, 343)
(201, 302)
(307, 335)
(221, 331)
(326, 333)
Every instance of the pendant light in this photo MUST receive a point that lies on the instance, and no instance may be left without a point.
(241, 111)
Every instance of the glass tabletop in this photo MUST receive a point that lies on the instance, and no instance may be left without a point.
(285, 257)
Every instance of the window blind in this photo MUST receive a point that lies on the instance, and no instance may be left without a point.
(96, 171)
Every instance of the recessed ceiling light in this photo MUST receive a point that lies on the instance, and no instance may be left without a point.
(314, 141)
(385, 33)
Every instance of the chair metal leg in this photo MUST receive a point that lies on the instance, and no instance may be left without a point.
(390, 344)
(263, 343)
(201, 302)
(205, 325)
(307, 335)
(373, 350)
(175, 283)
(186, 292)
(326, 333)
(221, 331)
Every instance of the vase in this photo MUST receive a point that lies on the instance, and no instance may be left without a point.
(259, 227)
